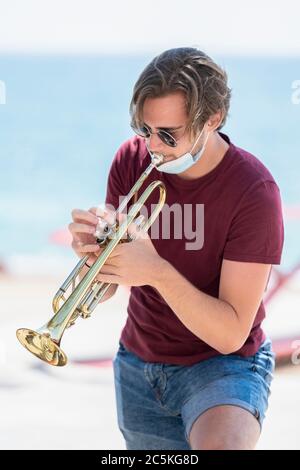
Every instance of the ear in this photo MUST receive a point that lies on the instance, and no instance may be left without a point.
(215, 120)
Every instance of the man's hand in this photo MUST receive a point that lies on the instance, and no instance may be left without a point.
(135, 263)
(83, 230)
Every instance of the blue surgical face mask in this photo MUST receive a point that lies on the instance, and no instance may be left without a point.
(183, 163)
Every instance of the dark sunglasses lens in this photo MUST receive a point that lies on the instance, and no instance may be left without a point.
(141, 131)
(167, 138)
(164, 136)
(145, 131)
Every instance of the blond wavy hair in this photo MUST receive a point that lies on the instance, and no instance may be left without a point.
(191, 71)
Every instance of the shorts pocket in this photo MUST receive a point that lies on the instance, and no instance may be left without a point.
(264, 363)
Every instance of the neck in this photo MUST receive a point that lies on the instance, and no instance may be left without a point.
(215, 149)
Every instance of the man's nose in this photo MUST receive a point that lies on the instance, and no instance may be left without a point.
(154, 143)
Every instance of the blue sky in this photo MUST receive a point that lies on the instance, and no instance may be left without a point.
(260, 27)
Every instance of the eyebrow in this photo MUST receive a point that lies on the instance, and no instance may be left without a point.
(166, 128)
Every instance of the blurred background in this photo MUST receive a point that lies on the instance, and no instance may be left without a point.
(67, 70)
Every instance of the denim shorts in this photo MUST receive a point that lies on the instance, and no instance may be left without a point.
(157, 404)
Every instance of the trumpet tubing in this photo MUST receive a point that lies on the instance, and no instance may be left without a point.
(44, 342)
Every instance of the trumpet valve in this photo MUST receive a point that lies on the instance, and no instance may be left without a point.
(85, 315)
(84, 311)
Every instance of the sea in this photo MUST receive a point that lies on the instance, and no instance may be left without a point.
(62, 119)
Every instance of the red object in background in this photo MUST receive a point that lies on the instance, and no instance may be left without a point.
(61, 237)
(97, 362)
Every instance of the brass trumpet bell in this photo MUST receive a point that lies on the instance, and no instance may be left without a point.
(42, 346)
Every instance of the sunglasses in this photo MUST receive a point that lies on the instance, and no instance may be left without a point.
(164, 136)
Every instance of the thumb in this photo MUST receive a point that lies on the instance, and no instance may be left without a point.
(103, 213)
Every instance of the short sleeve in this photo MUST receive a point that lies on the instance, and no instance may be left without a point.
(256, 233)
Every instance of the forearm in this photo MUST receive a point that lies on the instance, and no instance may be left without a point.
(212, 320)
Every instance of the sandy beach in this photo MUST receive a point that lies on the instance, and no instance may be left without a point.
(73, 407)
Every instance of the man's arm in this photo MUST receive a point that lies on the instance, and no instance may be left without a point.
(225, 322)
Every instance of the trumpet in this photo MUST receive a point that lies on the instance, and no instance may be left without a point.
(44, 342)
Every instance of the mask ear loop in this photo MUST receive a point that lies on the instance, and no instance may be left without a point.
(195, 143)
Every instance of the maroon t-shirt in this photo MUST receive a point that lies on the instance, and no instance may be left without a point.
(242, 222)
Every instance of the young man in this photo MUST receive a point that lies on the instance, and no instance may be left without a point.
(194, 367)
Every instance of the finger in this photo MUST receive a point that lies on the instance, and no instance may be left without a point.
(112, 263)
(76, 227)
(84, 238)
(97, 211)
(134, 231)
(91, 259)
(109, 278)
(109, 269)
(91, 249)
(85, 248)
(117, 251)
(103, 213)
(122, 217)
(78, 214)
